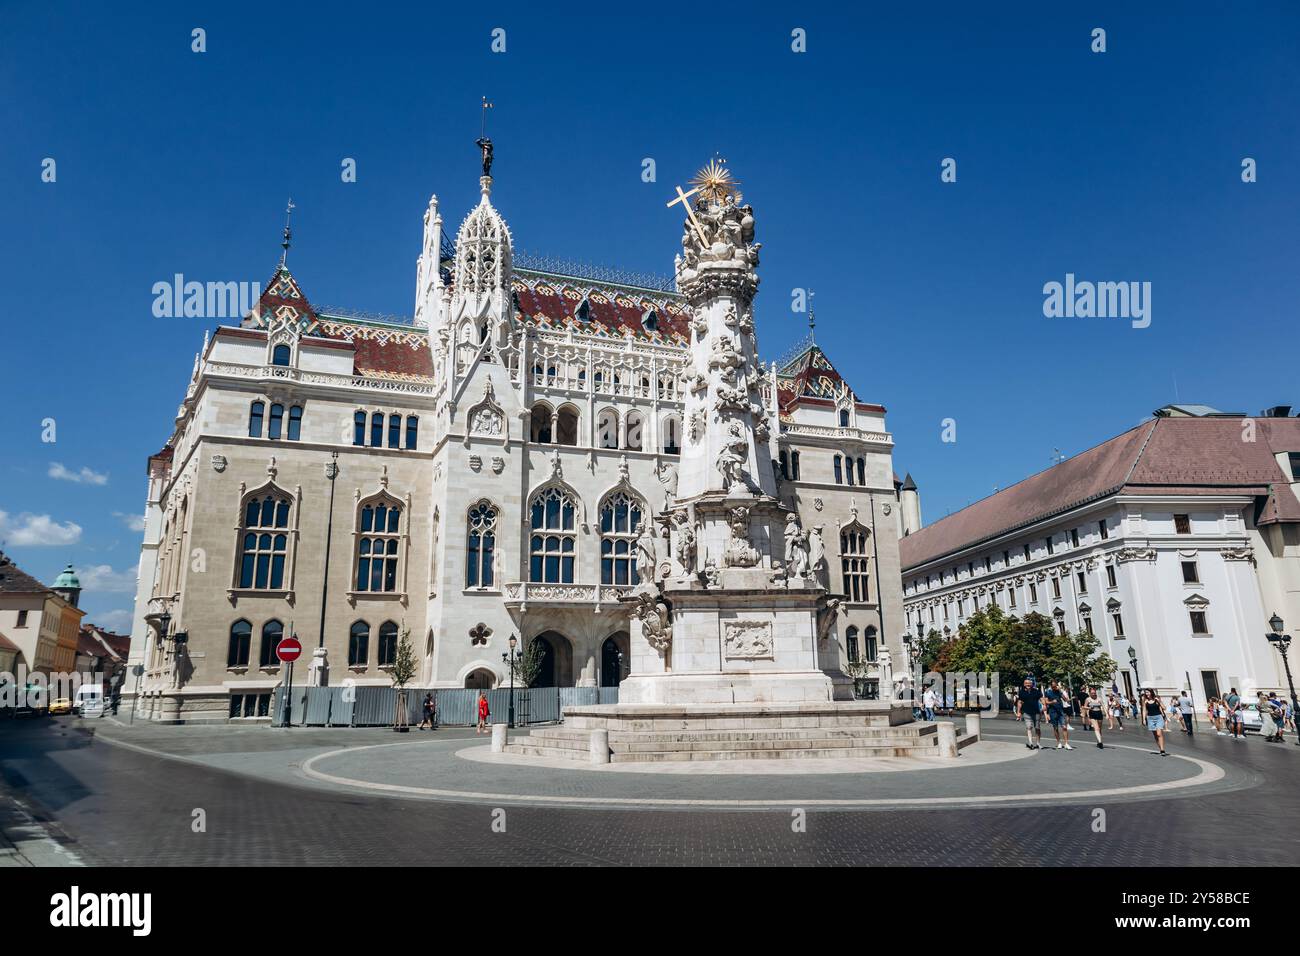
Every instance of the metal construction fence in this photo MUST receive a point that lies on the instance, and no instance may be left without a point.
(456, 707)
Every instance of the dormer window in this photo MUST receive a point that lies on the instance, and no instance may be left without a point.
(844, 418)
(650, 320)
(583, 312)
(281, 355)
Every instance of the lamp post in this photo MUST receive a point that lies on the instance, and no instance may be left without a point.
(510, 657)
(1283, 643)
(1137, 680)
(907, 649)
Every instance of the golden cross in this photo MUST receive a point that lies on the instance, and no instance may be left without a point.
(690, 213)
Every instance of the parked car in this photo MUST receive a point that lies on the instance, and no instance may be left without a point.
(89, 701)
(60, 706)
(1250, 719)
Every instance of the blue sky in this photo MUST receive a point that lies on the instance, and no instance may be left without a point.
(1117, 166)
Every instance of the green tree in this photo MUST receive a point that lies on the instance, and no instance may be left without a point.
(529, 665)
(402, 673)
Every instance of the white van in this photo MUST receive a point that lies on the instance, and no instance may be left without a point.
(89, 701)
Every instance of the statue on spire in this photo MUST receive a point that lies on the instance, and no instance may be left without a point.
(483, 143)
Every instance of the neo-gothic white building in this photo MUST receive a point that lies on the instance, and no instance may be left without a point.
(479, 473)
(1179, 538)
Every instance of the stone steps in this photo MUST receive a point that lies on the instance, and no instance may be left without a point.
(572, 744)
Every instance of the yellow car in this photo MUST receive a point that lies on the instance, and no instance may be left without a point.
(61, 705)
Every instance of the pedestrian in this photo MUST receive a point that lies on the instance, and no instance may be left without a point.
(1084, 709)
(928, 701)
(483, 713)
(1029, 709)
(1121, 702)
(1236, 714)
(1155, 718)
(1092, 708)
(1172, 716)
(1277, 711)
(428, 712)
(1187, 710)
(1057, 701)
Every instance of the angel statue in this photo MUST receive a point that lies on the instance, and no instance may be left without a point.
(796, 548)
(645, 552)
(732, 458)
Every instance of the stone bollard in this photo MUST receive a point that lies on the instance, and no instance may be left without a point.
(498, 738)
(947, 738)
(973, 725)
(600, 746)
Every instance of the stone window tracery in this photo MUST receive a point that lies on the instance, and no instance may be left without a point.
(854, 565)
(620, 519)
(264, 543)
(481, 545)
(554, 541)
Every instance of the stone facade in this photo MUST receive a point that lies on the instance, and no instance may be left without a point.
(523, 432)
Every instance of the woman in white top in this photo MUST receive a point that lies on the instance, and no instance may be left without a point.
(1093, 706)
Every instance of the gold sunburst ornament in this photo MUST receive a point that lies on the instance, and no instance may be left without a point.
(715, 182)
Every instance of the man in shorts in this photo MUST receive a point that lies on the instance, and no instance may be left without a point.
(1236, 714)
(1057, 701)
(1029, 708)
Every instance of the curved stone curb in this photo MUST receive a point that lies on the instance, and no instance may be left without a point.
(1208, 773)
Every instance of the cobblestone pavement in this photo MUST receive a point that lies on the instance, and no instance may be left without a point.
(108, 804)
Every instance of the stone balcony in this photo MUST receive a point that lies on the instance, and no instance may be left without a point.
(835, 435)
(594, 597)
(262, 373)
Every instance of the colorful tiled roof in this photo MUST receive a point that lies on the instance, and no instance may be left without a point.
(554, 302)
(810, 376)
(1164, 456)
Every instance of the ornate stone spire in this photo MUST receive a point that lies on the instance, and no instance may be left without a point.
(727, 431)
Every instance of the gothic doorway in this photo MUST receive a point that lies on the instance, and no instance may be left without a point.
(614, 660)
(481, 679)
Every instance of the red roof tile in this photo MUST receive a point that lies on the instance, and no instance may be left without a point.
(1165, 456)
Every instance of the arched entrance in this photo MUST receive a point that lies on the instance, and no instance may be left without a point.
(481, 679)
(556, 667)
(614, 659)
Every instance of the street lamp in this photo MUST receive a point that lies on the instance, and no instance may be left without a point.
(1283, 643)
(510, 659)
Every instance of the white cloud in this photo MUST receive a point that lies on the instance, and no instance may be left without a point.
(119, 622)
(134, 522)
(102, 578)
(29, 530)
(83, 477)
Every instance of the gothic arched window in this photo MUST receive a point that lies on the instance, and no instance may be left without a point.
(851, 645)
(241, 634)
(412, 432)
(280, 355)
(359, 644)
(294, 431)
(272, 633)
(554, 540)
(480, 545)
(540, 423)
(566, 425)
(264, 543)
(620, 519)
(377, 546)
(394, 431)
(607, 428)
(255, 413)
(387, 644)
(854, 566)
(274, 422)
(359, 428)
(377, 430)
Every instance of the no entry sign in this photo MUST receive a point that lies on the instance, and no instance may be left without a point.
(289, 650)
